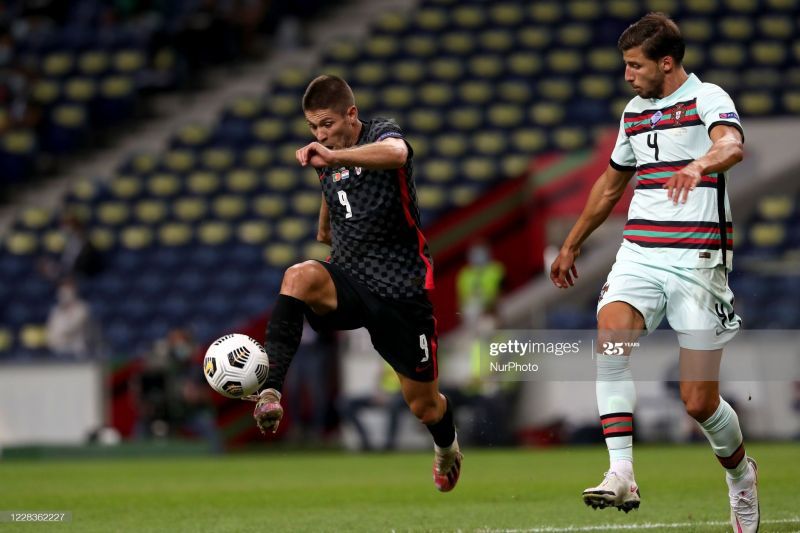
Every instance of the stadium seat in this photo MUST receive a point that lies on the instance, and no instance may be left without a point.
(513, 165)
(564, 61)
(546, 113)
(281, 179)
(408, 71)
(479, 169)
(425, 120)
(6, 340)
(775, 208)
(431, 19)
(450, 145)
(791, 101)
(505, 15)
(256, 232)
(68, 128)
(179, 160)
(742, 6)
(94, 62)
(214, 232)
(104, 239)
(438, 170)
(268, 206)
(568, 139)
(775, 27)
(664, 6)
(516, 91)
(241, 180)
(623, 9)
(175, 234)
(218, 159)
(164, 185)
(768, 53)
(447, 69)
(229, 207)
(574, 35)
(694, 57)
(112, 213)
(504, 116)
(528, 140)
(257, 157)
(203, 182)
(435, 94)
(486, 66)
(604, 59)
(392, 23)
(475, 92)
(150, 211)
(430, 197)
(729, 55)
(397, 97)
(496, 41)
(381, 46)
(33, 336)
(420, 46)
(469, 17)
(697, 30)
(457, 43)
(189, 209)
(464, 118)
(545, 12)
(489, 142)
(371, 73)
(556, 89)
(58, 64)
(701, 7)
(45, 92)
(22, 242)
(293, 229)
(759, 78)
(534, 37)
(306, 203)
(596, 87)
(142, 163)
(136, 237)
(282, 105)
(755, 102)
(280, 255)
(53, 241)
(767, 235)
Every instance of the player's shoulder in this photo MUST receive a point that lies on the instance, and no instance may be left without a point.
(380, 128)
(637, 104)
(710, 90)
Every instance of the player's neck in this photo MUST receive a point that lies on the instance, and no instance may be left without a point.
(673, 83)
(356, 134)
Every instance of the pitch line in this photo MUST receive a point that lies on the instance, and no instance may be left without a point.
(632, 527)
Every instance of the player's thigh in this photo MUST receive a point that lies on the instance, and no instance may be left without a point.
(632, 299)
(700, 308)
(310, 282)
(351, 308)
(404, 334)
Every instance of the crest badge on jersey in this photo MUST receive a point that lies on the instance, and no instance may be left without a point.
(656, 118)
(678, 112)
(358, 171)
(341, 174)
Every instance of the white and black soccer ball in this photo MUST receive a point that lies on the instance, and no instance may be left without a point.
(236, 365)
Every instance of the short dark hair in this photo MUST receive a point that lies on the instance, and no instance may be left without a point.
(328, 92)
(657, 34)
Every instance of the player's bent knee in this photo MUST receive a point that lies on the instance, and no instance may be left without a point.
(698, 406)
(302, 280)
(619, 316)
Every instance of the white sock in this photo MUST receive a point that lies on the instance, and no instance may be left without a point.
(616, 399)
(725, 436)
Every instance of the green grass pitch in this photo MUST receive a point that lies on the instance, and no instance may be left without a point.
(683, 489)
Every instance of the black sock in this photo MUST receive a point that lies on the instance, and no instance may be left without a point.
(444, 431)
(283, 337)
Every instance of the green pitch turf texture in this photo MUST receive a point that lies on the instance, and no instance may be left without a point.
(524, 490)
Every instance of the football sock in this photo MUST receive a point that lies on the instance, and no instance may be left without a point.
(616, 399)
(283, 338)
(723, 432)
(444, 431)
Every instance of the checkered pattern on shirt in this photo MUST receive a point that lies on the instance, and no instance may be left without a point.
(380, 244)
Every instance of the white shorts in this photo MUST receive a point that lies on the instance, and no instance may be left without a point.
(697, 302)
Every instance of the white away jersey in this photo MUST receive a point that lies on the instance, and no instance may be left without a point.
(658, 137)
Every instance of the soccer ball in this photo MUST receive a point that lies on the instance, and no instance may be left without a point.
(236, 365)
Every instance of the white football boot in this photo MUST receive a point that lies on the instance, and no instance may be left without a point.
(745, 511)
(615, 491)
(447, 466)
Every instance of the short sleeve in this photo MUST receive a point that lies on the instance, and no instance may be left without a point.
(622, 157)
(383, 129)
(715, 108)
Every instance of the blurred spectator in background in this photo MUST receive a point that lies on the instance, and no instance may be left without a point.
(79, 259)
(479, 283)
(387, 395)
(71, 331)
(307, 387)
(172, 396)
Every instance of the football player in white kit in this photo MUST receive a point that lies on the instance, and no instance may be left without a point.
(678, 137)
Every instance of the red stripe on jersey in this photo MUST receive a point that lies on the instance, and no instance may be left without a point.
(405, 199)
(435, 348)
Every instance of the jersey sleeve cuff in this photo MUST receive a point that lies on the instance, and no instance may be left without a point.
(621, 168)
(726, 123)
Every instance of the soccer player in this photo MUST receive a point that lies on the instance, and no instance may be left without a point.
(379, 270)
(678, 136)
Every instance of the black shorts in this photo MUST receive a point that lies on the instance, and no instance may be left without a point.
(402, 330)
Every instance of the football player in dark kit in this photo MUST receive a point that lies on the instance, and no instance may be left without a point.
(379, 270)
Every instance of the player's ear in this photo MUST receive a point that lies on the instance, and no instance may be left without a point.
(667, 64)
(352, 115)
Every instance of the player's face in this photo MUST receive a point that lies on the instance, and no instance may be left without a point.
(644, 75)
(332, 129)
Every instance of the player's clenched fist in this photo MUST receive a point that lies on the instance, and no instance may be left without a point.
(315, 154)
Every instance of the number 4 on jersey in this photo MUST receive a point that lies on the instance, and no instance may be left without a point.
(346, 203)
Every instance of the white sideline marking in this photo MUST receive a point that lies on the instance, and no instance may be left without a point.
(632, 527)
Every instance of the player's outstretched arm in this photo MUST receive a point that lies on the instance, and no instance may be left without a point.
(386, 154)
(726, 151)
(324, 228)
(605, 194)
